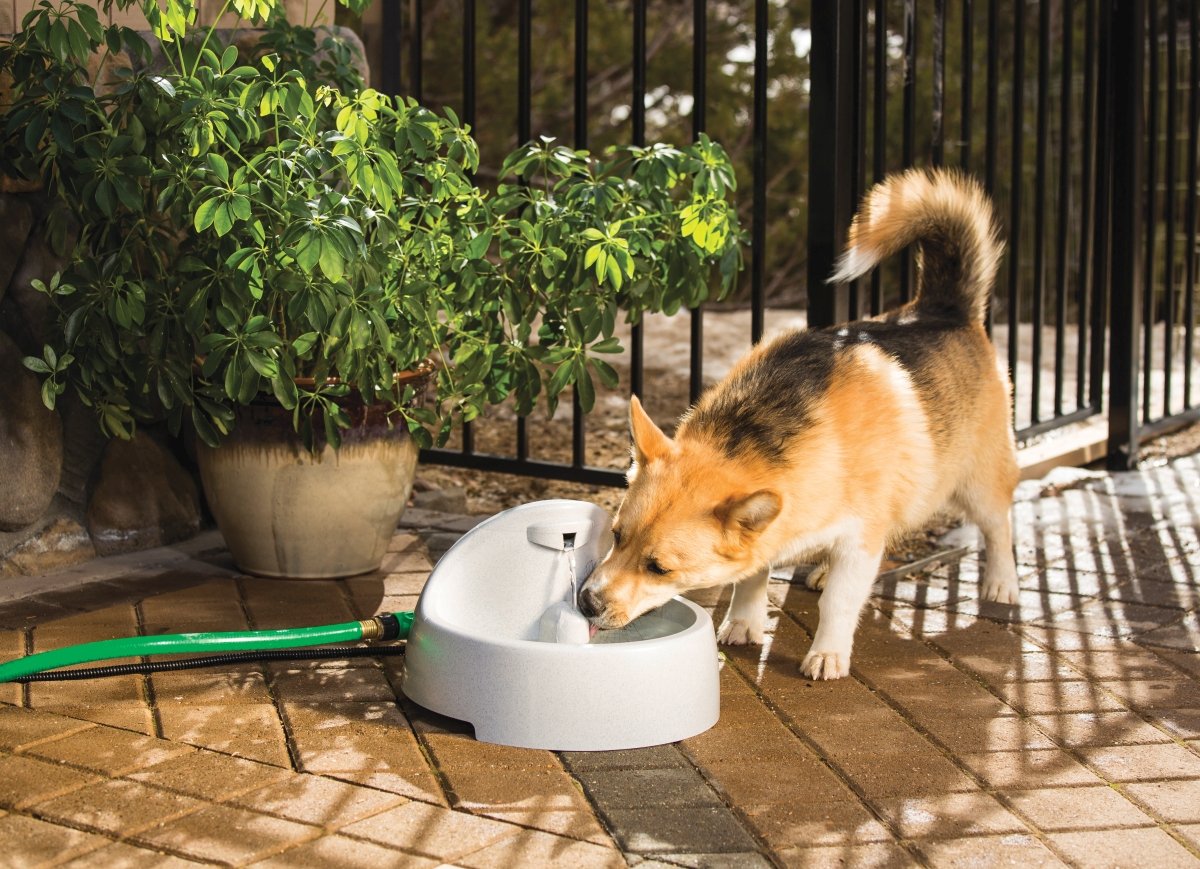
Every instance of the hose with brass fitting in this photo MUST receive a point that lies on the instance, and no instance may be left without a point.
(256, 645)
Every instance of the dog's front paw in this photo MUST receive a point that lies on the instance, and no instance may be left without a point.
(826, 665)
(817, 576)
(1000, 587)
(1000, 592)
(739, 632)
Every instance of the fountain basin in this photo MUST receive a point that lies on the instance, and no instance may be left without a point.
(475, 653)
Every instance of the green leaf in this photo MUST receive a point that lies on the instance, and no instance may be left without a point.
(49, 393)
(307, 252)
(562, 376)
(614, 273)
(36, 365)
(608, 345)
(304, 343)
(163, 84)
(241, 207)
(607, 374)
(331, 261)
(284, 389)
(586, 391)
(217, 164)
(264, 365)
(478, 246)
(232, 382)
(601, 265)
(204, 429)
(332, 435)
(206, 213)
(223, 219)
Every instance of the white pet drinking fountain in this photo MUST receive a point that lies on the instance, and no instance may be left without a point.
(497, 641)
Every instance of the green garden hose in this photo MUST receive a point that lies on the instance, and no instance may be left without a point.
(383, 627)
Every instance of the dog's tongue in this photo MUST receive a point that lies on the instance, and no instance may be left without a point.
(592, 631)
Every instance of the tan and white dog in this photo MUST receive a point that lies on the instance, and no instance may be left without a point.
(833, 440)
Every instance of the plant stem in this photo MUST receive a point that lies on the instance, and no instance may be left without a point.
(212, 28)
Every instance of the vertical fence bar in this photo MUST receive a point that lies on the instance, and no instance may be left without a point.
(524, 131)
(468, 118)
(1193, 154)
(1127, 81)
(1101, 226)
(638, 116)
(1064, 209)
(1151, 224)
(1083, 289)
(468, 64)
(1169, 202)
(879, 130)
(968, 83)
(1015, 184)
(991, 141)
(581, 73)
(758, 234)
(831, 150)
(938, 133)
(578, 425)
(1039, 209)
(390, 42)
(524, 70)
(859, 289)
(416, 39)
(991, 123)
(699, 124)
(637, 358)
(909, 125)
(699, 67)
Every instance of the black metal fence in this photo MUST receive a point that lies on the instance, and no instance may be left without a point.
(1081, 117)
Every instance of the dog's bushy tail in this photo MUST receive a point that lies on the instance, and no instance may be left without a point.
(950, 218)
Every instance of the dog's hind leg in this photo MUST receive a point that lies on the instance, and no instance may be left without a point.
(852, 571)
(988, 504)
(747, 616)
(1000, 571)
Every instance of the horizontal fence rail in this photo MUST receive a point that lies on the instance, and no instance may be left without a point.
(1080, 117)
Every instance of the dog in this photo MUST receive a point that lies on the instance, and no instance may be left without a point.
(833, 440)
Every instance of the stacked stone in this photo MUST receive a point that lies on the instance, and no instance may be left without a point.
(66, 493)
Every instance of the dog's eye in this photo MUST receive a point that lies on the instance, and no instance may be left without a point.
(657, 569)
(616, 537)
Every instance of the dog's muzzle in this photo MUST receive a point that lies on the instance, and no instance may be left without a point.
(590, 604)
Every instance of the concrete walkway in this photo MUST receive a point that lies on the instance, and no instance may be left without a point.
(1065, 733)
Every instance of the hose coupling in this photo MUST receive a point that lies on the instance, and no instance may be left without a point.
(372, 630)
(382, 628)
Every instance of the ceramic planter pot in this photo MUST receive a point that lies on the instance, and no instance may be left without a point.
(287, 512)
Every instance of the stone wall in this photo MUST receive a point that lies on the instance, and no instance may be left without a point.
(68, 494)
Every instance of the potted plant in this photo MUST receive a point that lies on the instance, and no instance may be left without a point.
(255, 236)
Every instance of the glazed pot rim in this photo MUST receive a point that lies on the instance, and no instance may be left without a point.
(421, 373)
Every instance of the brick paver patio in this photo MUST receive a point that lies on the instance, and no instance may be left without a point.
(968, 734)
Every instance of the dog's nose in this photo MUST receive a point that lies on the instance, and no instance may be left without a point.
(589, 603)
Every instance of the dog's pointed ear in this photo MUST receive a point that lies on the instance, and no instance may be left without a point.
(649, 442)
(752, 513)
